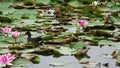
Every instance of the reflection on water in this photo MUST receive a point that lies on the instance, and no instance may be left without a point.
(98, 54)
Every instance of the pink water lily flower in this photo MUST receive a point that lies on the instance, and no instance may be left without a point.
(6, 59)
(15, 34)
(82, 23)
(6, 30)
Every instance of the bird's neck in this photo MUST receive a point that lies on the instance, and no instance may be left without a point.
(29, 38)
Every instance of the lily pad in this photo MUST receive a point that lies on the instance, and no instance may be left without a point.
(27, 50)
(105, 42)
(18, 67)
(66, 50)
(56, 64)
(95, 23)
(44, 1)
(21, 63)
(75, 3)
(78, 45)
(36, 59)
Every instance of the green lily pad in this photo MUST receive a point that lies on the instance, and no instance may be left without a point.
(102, 33)
(75, 3)
(27, 50)
(36, 59)
(18, 67)
(103, 8)
(47, 37)
(115, 8)
(57, 64)
(78, 45)
(95, 23)
(5, 19)
(44, 1)
(21, 63)
(110, 4)
(105, 42)
(66, 50)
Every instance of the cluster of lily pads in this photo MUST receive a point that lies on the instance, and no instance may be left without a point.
(68, 29)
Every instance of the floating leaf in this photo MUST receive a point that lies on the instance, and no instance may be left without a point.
(27, 50)
(66, 50)
(21, 63)
(105, 42)
(5, 19)
(115, 8)
(57, 64)
(110, 4)
(95, 23)
(44, 1)
(104, 33)
(103, 8)
(36, 59)
(18, 67)
(75, 3)
(29, 2)
(47, 37)
(78, 45)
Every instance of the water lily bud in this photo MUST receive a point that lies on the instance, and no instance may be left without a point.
(82, 23)
(95, 3)
(15, 34)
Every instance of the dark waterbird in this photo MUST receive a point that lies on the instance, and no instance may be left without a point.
(37, 40)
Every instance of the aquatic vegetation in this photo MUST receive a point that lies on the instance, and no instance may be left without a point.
(95, 3)
(6, 59)
(70, 30)
(15, 35)
(6, 30)
(82, 23)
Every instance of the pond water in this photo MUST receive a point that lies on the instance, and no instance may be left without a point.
(58, 30)
(98, 57)
(70, 61)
